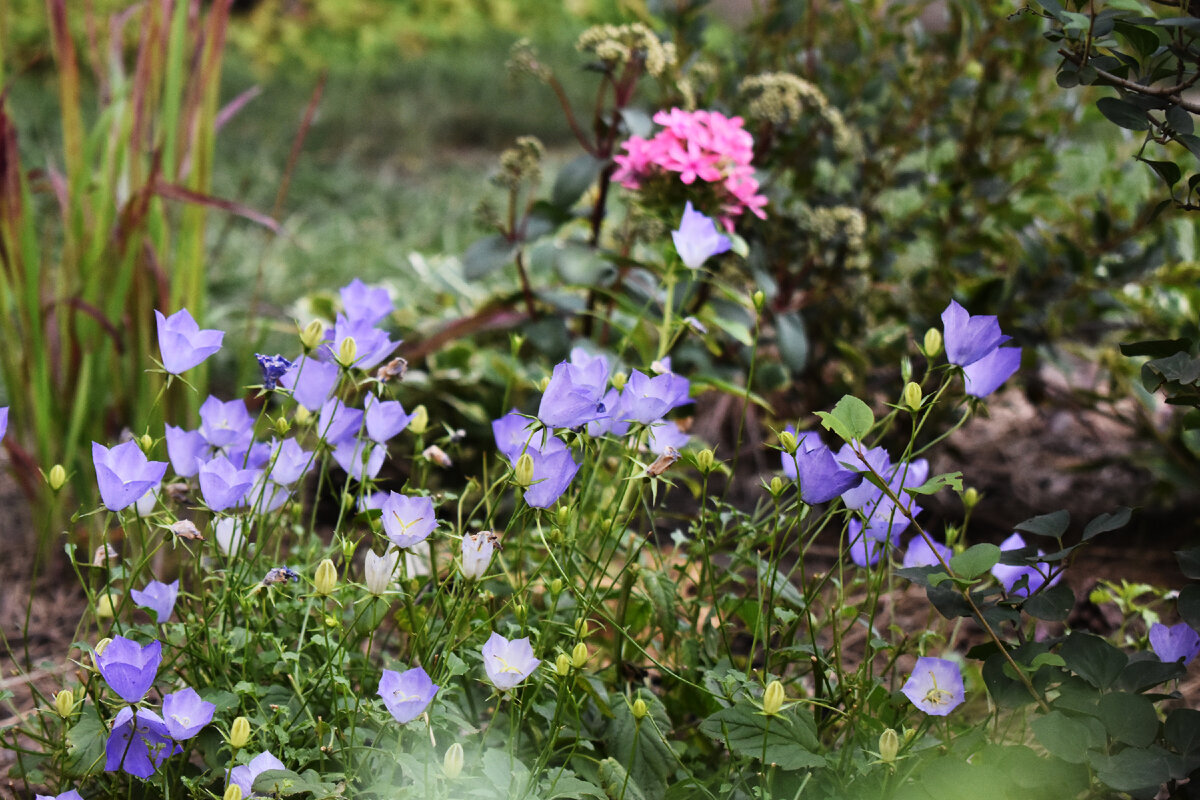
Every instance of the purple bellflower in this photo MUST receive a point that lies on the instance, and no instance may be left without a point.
(508, 663)
(820, 475)
(182, 344)
(253, 455)
(226, 424)
(646, 399)
(987, 374)
(128, 668)
(158, 597)
(124, 474)
(666, 434)
(1022, 580)
(223, 485)
(574, 396)
(245, 775)
(384, 418)
(185, 448)
(973, 343)
(273, 368)
(697, 239)
(338, 422)
(553, 470)
(514, 433)
(407, 520)
(266, 495)
(878, 460)
(609, 424)
(372, 345)
(291, 461)
(361, 459)
(865, 550)
(1175, 642)
(185, 713)
(3, 422)
(920, 554)
(361, 303)
(310, 381)
(406, 694)
(935, 686)
(138, 744)
(70, 794)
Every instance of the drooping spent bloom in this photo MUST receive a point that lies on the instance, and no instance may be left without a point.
(820, 475)
(1174, 643)
(229, 534)
(1022, 580)
(508, 663)
(378, 571)
(477, 550)
(138, 744)
(244, 776)
(407, 520)
(158, 597)
(361, 303)
(310, 381)
(574, 396)
(920, 554)
(182, 344)
(226, 424)
(273, 368)
(935, 686)
(384, 418)
(185, 713)
(406, 694)
(973, 343)
(645, 399)
(277, 575)
(124, 474)
(697, 239)
(128, 668)
(224, 485)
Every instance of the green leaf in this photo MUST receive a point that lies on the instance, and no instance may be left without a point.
(1053, 604)
(578, 264)
(1189, 605)
(1182, 730)
(1066, 737)
(976, 560)
(1124, 114)
(1093, 659)
(788, 739)
(574, 179)
(792, 340)
(85, 741)
(1132, 769)
(1107, 522)
(487, 255)
(570, 787)
(939, 482)
(851, 419)
(1156, 348)
(1130, 718)
(1146, 673)
(1168, 171)
(1189, 562)
(643, 749)
(1053, 524)
(618, 782)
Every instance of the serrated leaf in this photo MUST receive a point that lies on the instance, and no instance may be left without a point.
(1052, 525)
(976, 560)
(788, 739)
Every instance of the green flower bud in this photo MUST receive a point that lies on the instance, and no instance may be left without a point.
(56, 478)
(580, 655)
(523, 471)
(618, 380)
(282, 426)
(562, 516)
(420, 421)
(889, 746)
(105, 606)
(313, 335)
(232, 792)
(933, 342)
(773, 698)
(452, 764)
(146, 442)
(639, 709)
(582, 629)
(759, 300)
(325, 579)
(912, 396)
(101, 646)
(562, 665)
(970, 497)
(543, 383)
(302, 416)
(973, 70)
(776, 486)
(348, 352)
(705, 460)
(239, 733)
(556, 586)
(64, 703)
(787, 440)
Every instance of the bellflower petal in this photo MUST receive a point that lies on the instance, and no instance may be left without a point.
(935, 686)
(310, 381)
(245, 775)
(182, 344)
(384, 418)
(138, 743)
(1175, 642)
(969, 338)
(407, 520)
(226, 424)
(158, 597)
(508, 663)
(185, 713)
(574, 395)
(985, 375)
(364, 304)
(406, 694)
(124, 474)
(697, 239)
(223, 485)
(128, 668)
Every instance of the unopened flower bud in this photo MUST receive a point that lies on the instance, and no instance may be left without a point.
(973, 70)
(56, 478)
(105, 607)
(523, 471)
(379, 571)
(282, 426)
(313, 335)
(787, 440)
(146, 441)
(970, 497)
(556, 586)
(101, 646)
(452, 764)
(579, 655)
(348, 352)
(889, 746)
(773, 698)
(64, 703)
(562, 516)
(639, 709)
(759, 299)
(909, 735)
(618, 380)
(232, 792)
(562, 665)
(543, 383)
(705, 460)
(302, 416)
(325, 579)
(582, 629)
(776, 486)
(348, 501)
(239, 733)
(933, 342)
(420, 421)
(519, 611)
(913, 396)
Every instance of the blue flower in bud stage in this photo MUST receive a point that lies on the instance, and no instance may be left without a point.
(223, 485)
(384, 418)
(920, 554)
(360, 458)
(406, 694)
(935, 686)
(574, 396)
(973, 343)
(128, 668)
(138, 744)
(1022, 580)
(310, 381)
(364, 304)
(407, 520)
(697, 239)
(338, 422)
(289, 462)
(3, 422)
(244, 776)
(226, 424)
(820, 475)
(508, 663)
(273, 368)
(124, 474)
(185, 449)
(645, 399)
(158, 597)
(182, 344)
(68, 795)
(184, 713)
(1174, 643)
(372, 345)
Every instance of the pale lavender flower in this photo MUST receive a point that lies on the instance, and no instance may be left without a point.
(185, 449)
(1022, 580)
(384, 418)
(245, 775)
(266, 495)
(124, 474)
(138, 743)
(291, 461)
(70, 794)
(664, 435)
(230, 534)
(878, 460)
(645, 399)
(225, 424)
(553, 470)
(250, 455)
(3, 422)
(406, 694)
(158, 597)
(338, 422)
(128, 668)
(1174, 643)
(697, 239)
(310, 381)
(144, 505)
(508, 663)
(182, 343)
(514, 433)
(364, 304)
(574, 394)
(185, 713)
(407, 520)
(813, 465)
(969, 338)
(985, 375)
(372, 345)
(360, 458)
(920, 554)
(224, 485)
(935, 686)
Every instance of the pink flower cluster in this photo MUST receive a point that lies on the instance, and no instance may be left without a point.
(704, 145)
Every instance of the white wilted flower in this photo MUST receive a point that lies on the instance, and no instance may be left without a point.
(379, 571)
(229, 533)
(477, 550)
(417, 559)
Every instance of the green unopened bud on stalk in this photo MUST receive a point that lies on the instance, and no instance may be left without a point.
(105, 607)
(348, 352)
(302, 415)
(56, 478)
(239, 733)
(146, 442)
(232, 792)
(556, 586)
(759, 299)
(420, 421)
(889, 746)
(933, 342)
(618, 380)
(705, 460)
(562, 665)
(582, 629)
(101, 646)
(64, 703)
(325, 579)
(452, 764)
(970, 497)
(776, 486)
(543, 383)
(773, 698)
(913, 396)
(523, 471)
(787, 440)
(639, 709)
(580, 655)
(562, 517)
(312, 335)
(282, 426)
(348, 501)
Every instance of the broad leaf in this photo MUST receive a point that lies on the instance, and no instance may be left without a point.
(788, 739)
